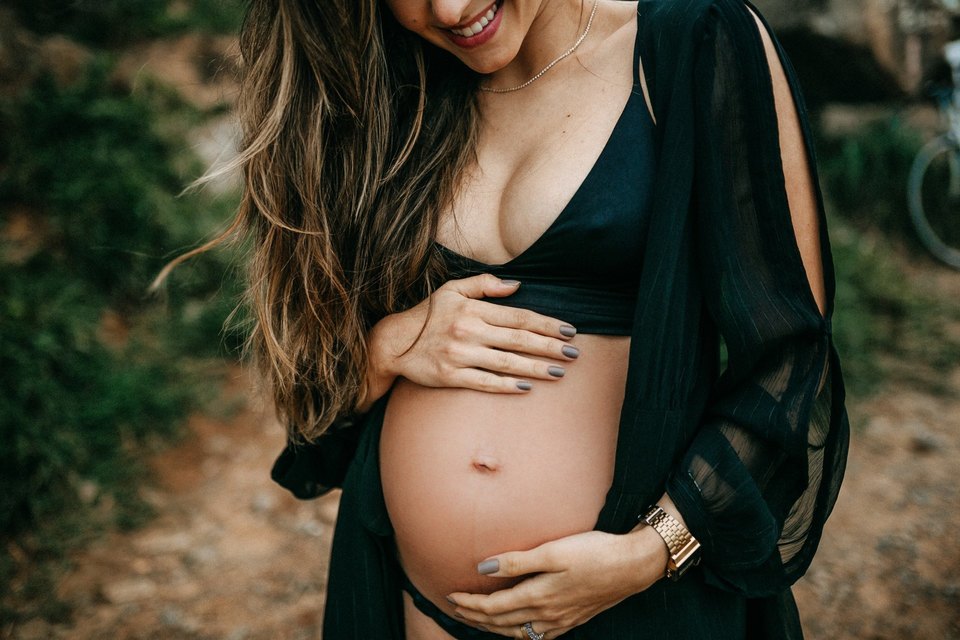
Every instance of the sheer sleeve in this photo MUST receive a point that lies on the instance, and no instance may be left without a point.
(763, 471)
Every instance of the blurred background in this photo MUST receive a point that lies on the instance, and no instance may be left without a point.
(135, 500)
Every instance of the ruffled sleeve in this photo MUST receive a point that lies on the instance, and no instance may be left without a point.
(310, 469)
(763, 471)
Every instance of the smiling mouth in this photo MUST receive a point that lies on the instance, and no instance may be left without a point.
(478, 25)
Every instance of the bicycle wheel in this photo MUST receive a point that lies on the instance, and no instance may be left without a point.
(933, 196)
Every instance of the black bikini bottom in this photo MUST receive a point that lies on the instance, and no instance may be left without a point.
(454, 627)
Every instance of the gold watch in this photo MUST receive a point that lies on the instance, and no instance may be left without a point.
(683, 547)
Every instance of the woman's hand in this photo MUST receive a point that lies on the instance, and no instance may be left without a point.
(577, 577)
(469, 343)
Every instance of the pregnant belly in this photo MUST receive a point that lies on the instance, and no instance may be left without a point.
(468, 474)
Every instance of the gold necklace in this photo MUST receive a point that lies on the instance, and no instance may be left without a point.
(550, 66)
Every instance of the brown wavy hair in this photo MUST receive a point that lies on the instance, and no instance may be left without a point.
(354, 132)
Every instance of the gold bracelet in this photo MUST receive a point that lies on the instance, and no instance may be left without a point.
(683, 548)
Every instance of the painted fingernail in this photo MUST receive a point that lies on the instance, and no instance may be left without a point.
(556, 371)
(524, 385)
(451, 600)
(570, 351)
(568, 330)
(510, 283)
(488, 566)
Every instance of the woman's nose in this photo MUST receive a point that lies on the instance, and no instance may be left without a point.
(450, 13)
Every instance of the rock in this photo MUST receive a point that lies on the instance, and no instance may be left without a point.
(206, 554)
(263, 502)
(87, 491)
(35, 629)
(129, 590)
(329, 507)
(211, 467)
(919, 496)
(923, 441)
(175, 617)
(186, 590)
(311, 528)
(219, 445)
(154, 498)
(171, 617)
(163, 542)
(240, 633)
(141, 566)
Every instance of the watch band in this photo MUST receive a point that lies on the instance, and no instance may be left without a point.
(683, 548)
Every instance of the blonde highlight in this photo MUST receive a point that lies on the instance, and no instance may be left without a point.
(353, 134)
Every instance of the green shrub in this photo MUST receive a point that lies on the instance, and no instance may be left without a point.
(71, 405)
(882, 318)
(89, 159)
(865, 174)
(217, 16)
(88, 167)
(103, 22)
(116, 22)
(880, 315)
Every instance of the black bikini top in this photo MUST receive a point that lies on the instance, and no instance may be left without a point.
(585, 268)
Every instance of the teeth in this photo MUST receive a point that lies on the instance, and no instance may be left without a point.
(477, 26)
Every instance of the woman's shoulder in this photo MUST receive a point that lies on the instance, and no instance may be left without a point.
(674, 34)
(683, 23)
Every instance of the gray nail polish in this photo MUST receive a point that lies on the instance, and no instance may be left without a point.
(556, 371)
(450, 600)
(510, 283)
(488, 566)
(568, 330)
(570, 351)
(524, 385)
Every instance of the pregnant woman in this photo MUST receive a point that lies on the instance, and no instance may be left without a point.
(498, 251)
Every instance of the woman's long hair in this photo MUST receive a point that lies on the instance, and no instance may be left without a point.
(354, 132)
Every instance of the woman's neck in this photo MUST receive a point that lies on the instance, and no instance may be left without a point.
(554, 28)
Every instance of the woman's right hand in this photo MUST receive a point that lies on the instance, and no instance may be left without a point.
(470, 343)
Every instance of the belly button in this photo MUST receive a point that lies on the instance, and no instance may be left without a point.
(485, 462)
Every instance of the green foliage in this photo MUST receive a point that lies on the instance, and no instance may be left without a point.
(116, 22)
(217, 16)
(71, 404)
(869, 305)
(865, 173)
(101, 177)
(92, 368)
(94, 21)
(882, 318)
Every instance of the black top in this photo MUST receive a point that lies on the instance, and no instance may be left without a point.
(752, 456)
(585, 268)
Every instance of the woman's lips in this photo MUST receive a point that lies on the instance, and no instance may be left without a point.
(486, 31)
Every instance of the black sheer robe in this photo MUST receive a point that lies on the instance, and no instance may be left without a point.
(753, 455)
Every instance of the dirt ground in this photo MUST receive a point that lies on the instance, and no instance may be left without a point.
(233, 556)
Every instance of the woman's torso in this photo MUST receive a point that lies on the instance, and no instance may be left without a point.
(468, 474)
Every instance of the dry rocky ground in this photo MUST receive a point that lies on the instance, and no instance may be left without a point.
(233, 556)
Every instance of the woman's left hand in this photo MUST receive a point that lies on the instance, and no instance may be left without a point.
(577, 577)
